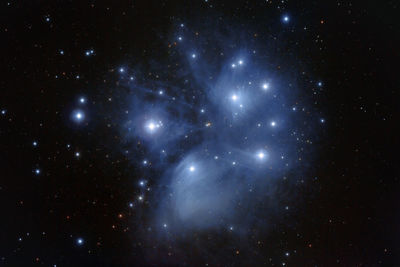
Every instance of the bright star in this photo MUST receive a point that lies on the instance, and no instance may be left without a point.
(37, 171)
(82, 100)
(192, 168)
(79, 116)
(261, 155)
(265, 86)
(151, 126)
(240, 62)
(34, 143)
(273, 124)
(193, 55)
(79, 241)
(234, 97)
(286, 19)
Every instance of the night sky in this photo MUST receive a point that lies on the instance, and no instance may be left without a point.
(199, 133)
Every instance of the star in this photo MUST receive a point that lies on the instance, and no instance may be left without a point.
(192, 168)
(78, 116)
(234, 97)
(152, 126)
(286, 18)
(79, 241)
(265, 86)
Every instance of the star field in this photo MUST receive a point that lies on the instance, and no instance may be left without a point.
(201, 133)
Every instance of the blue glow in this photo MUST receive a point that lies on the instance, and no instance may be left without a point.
(78, 116)
(286, 19)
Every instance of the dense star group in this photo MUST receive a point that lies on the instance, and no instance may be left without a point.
(199, 133)
(218, 136)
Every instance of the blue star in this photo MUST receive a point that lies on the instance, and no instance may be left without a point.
(285, 19)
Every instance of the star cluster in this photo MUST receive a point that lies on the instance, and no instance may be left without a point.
(199, 133)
